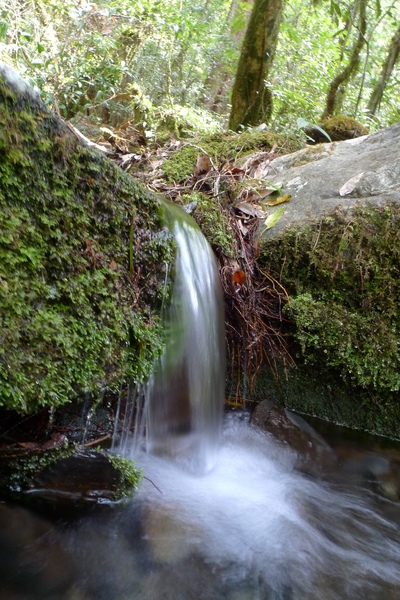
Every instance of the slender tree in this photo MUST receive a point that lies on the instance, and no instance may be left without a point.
(387, 69)
(344, 76)
(251, 97)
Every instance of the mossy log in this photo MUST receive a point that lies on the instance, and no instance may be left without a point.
(83, 255)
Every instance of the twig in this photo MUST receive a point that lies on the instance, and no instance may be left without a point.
(152, 482)
(98, 441)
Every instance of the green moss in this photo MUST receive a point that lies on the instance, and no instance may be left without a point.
(130, 475)
(79, 299)
(342, 278)
(339, 127)
(213, 223)
(20, 471)
(342, 127)
(225, 147)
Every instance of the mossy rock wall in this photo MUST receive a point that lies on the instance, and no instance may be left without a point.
(342, 276)
(83, 254)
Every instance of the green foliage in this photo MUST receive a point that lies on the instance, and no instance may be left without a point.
(314, 44)
(77, 315)
(130, 475)
(84, 56)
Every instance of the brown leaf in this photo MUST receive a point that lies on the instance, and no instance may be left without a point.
(113, 265)
(239, 277)
(203, 165)
(261, 170)
(247, 208)
(236, 171)
(242, 228)
(265, 192)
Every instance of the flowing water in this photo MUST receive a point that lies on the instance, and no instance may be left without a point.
(179, 411)
(224, 513)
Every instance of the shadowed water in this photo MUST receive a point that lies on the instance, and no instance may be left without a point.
(252, 528)
(267, 529)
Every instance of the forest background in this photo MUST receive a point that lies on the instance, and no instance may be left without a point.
(175, 61)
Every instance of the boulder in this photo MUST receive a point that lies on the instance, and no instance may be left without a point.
(337, 176)
(335, 250)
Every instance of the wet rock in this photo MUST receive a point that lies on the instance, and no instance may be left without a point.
(383, 475)
(314, 455)
(167, 537)
(64, 479)
(33, 561)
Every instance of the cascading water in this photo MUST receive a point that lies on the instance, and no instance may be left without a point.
(252, 527)
(179, 410)
(185, 393)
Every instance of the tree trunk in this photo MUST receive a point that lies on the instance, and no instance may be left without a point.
(379, 88)
(218, 83)
(251, 98)
(344, 76)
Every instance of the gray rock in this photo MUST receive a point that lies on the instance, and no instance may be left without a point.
(338, 175)
(314, 455)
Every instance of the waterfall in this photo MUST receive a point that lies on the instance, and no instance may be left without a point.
(179, 410)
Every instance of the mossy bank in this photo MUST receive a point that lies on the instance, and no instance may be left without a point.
(342, 277)
(83, 255)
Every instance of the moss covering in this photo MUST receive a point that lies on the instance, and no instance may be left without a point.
(342, 278)
(213, 223)
(342, 127)
(130, 475)
(24, 471)
(339, 127)
(82, 263)
(225, 147)
(18, 472)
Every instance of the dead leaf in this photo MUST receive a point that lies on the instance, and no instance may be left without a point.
(349, 186)
(203, 165)
(239, 277)
(247, 209)
(265, 192)
(280, 200)
(113, 265)
(242, 228)
(261, 170)
(236, 171)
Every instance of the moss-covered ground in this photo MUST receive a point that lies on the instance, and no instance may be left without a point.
(226, 147)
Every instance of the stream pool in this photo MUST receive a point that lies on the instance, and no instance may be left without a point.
(253, 528)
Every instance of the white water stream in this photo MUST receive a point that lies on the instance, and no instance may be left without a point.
(255, 528)
(240, 523)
